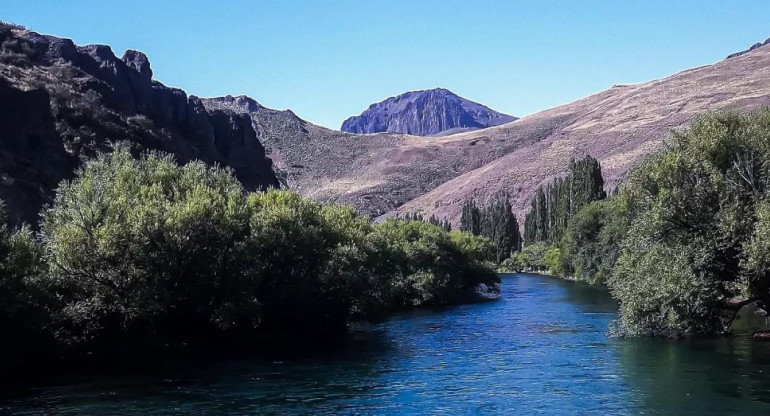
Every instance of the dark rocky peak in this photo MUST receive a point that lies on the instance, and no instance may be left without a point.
(754, 46)
(138, 62)
(424, 113)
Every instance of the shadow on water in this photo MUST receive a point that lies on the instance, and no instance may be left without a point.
(709, 375)
(276, 379)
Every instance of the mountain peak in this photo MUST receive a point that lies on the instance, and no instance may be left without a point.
(425, 113)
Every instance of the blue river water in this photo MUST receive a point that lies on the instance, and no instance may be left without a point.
(540, 349)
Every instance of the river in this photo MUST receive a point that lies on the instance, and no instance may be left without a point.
(541, 349)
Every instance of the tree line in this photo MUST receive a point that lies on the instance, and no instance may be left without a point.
(557, 202)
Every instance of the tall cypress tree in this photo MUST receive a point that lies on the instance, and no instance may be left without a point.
(556, 202)
(470, 221)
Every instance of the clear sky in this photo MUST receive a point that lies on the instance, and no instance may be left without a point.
(328, 60)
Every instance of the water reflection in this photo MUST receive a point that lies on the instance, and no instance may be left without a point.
(698, 376)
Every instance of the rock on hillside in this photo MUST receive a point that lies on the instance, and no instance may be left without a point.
(754, 46)
(61, 103)
(425, 113)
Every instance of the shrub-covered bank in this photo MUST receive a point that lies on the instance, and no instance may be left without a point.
(146, 254)
(684, 244)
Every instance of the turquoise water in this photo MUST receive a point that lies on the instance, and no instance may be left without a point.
(541, 349)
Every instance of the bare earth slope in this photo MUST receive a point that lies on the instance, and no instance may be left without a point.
(618, 126)
(374, 172)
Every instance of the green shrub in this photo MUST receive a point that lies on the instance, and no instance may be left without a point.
(144, 247)
(591, 244)
(696, 241)
(143, 251)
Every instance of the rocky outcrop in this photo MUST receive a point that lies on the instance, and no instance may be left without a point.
(61, 103)
(754, 46)
(425, 113)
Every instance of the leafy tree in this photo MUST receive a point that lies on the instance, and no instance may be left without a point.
(310, 259)
(144, 251)
(143, 247)
(591, 243)
(498, 223)
(433, 267)
(694, 252)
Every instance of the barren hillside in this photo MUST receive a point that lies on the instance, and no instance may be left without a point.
(618, 126)
(379, 173)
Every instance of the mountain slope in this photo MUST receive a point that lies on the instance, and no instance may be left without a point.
(61, 103)
(387, 173)
(424, 113)
(618, 126)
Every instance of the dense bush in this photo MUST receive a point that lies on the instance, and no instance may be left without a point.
(537, 258)
(22, 313)
(430, 266)
(696, 248)
(143, 252)
(591, 243)
(145, 248)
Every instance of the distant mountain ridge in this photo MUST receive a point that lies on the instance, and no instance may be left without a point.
(425, 113)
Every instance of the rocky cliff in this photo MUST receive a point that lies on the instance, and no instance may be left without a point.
(61, 103)
(425, 113)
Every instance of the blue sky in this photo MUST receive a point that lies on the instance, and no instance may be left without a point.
(329, 60)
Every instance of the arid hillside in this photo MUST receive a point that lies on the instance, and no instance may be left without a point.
(618, 126)
(386, 173)
(63, 102)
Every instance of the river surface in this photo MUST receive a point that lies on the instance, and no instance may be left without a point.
(541, 349)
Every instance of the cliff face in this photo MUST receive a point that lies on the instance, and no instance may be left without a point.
(61, 103)
(425, 113)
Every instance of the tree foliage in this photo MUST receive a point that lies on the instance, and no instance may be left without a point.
(144, 252)
(591, 243)
(495, 221)
(557, 202)
(696, 249)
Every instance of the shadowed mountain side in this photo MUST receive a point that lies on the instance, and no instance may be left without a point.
(61, 103)
(618, 126)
